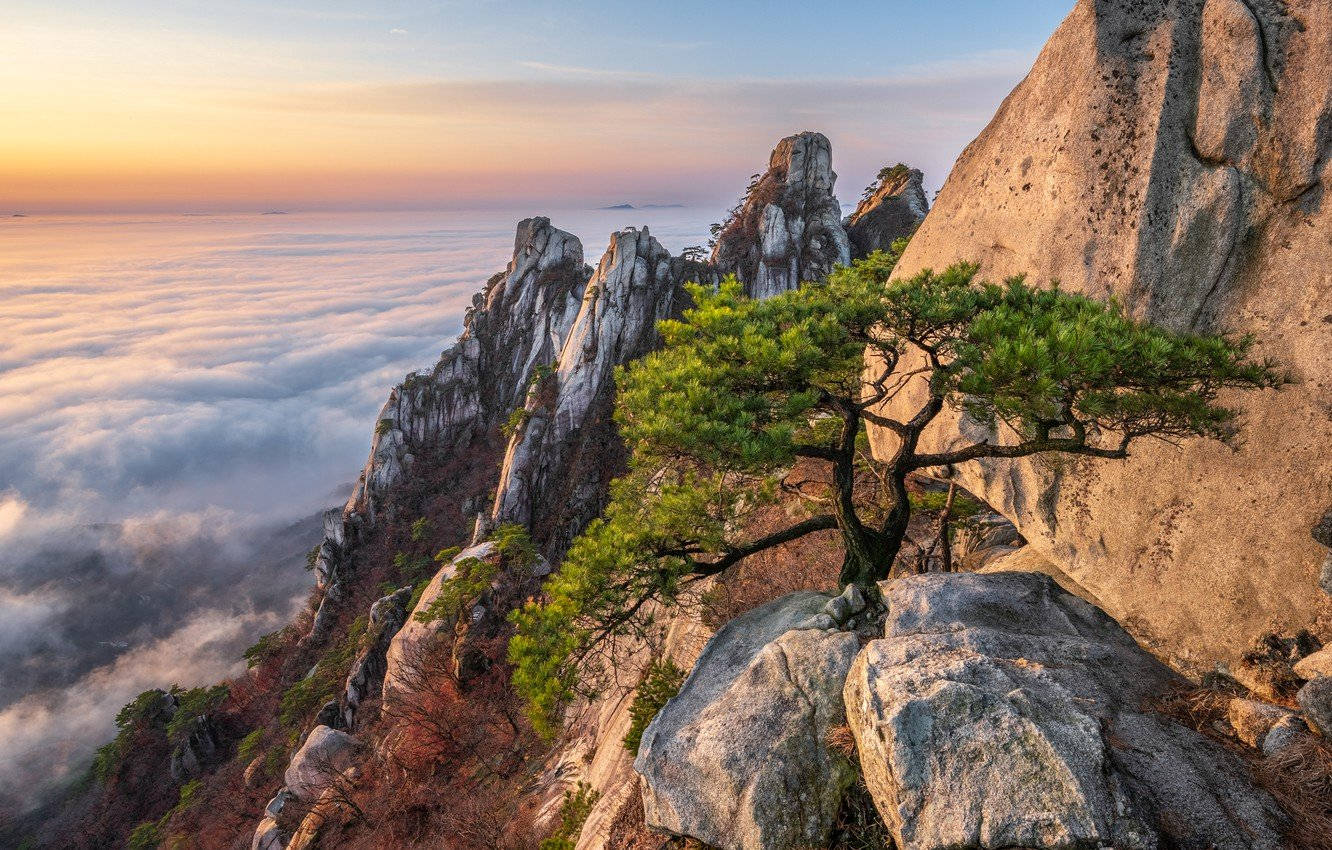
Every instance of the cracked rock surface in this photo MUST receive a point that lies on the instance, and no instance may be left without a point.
(999, 711)
(1175, 155)
(737, 758)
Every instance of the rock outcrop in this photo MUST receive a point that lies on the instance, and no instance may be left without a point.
(1173, 155)
(894, 205)
(197, 751)
(788, 228)
(737, 758)
(999, 711)
(323, 757)
(416, 639)
(563, 451)
(516, 324)
(366, 677)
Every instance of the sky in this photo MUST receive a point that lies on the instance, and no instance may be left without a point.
(171, 105)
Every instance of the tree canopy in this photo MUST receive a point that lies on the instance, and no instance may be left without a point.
(743, 389)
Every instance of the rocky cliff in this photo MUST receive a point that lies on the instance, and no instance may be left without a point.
(893, 206)
(1172, 155)
(562, 453)
(788, 228)
(515, 325)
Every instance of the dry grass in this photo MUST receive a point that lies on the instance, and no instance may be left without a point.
(841, 741)
(1299, 777)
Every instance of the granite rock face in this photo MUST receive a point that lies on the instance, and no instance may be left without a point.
(323, 757)
(414, 640)
(788, 228)
(366, 677)
(1000, 711)
(893, 207)
(561, 457)
(1173, 155)
(518, 323)
(737, 758)
(515, 325)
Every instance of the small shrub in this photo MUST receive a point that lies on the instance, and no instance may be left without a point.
(661, 681)
(146, 836)
(307, 695)
(383, 426)
(311, 557)
(191, 704)
(249, 745)
(263, 649)
(421, 529)
(574, 810)
(515, 545)
(516, 422)
(470, 581)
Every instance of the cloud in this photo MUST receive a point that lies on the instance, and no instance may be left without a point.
(48, 736)
(12, 509)
(397, 31)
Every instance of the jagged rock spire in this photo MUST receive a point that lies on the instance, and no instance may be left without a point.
(518, 323)
(788, 228)
(563, 453)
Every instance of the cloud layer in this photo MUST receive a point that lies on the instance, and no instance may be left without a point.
(179, 397)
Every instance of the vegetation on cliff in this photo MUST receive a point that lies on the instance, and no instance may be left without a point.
(743, 389)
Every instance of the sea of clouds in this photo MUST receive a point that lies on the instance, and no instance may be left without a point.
(180, 396)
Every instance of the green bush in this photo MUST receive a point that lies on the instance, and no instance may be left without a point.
(263, 649)
(474, 575)
(146, 836)
(307, 695)
(661, 681)
(192, 703)
(574, 810)
(421, 529)
(249, 745)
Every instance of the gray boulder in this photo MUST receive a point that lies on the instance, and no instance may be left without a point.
(1315, 699)
(737, 759)
(1000, 711)
(1253, 720)
(319, 762)
(1283, 733)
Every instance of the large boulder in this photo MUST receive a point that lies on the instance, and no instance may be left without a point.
(319, 762)
(788, 228)
(1000, 711)
(737, 758)
(1172, 154)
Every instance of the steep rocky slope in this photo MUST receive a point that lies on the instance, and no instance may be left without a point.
(1173, 155)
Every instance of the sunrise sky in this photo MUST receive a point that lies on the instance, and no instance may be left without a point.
(146, 105)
